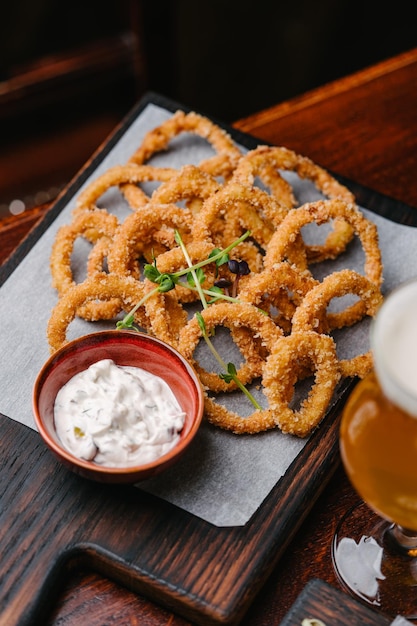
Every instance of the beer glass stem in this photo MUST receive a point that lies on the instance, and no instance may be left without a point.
(404, 538)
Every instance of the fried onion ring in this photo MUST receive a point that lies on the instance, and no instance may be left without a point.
(280, 158)
(290, 357)
(158, 139)
(140, 229)
(247, 208)
(312, 312)
(220, 416)
(254, 165)
(258, 162)
(320, 212)
(190, 183)
(104, 226)
(97, 288)
(282, 286)
(166, 315)
(173, 261)
(118, 175)
(231, 316)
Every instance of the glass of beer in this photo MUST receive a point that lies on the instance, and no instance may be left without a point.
(374, 549)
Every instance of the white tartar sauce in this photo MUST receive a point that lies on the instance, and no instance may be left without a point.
(117, 416)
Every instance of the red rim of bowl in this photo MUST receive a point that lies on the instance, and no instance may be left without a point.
(106, 342)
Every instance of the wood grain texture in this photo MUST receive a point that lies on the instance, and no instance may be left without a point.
(321, 601)
(54, 521)
(361, 127)
(366, 147)
(207, 574)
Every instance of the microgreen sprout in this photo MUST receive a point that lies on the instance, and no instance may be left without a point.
(229, 370)
(223, 285)
(193, 273)
(195, 277)
(240, 268)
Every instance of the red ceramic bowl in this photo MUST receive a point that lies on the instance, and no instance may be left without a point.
(125, 348)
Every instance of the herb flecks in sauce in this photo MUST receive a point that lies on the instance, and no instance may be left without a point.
(117, 416)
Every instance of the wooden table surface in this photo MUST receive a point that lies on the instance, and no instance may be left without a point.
(363, 127)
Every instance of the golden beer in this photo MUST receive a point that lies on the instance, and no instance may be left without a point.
(378, 437)
(378, 443)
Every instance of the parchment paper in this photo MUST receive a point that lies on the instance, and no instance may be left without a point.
(224, 478)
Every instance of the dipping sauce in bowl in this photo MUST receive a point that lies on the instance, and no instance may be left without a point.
(117, 406)
(117, 415)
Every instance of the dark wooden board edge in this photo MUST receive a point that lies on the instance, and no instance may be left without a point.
(319, 600)
(232, 576)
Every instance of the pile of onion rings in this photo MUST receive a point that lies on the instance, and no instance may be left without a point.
(276, 313)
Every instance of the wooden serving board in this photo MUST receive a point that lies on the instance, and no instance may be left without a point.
(321, 601)
(52, 521)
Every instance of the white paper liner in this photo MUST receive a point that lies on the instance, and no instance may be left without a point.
(223, 478)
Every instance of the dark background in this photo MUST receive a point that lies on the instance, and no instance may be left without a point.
(69, 72)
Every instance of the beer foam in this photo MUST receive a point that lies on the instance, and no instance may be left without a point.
(394, 345)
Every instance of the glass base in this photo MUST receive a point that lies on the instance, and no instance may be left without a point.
(371, 565)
